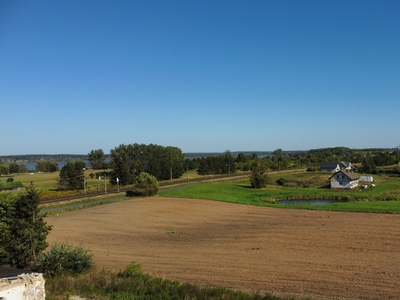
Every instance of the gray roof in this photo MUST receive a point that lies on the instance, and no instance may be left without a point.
(351, 175)
(6, 272)
(329, 164)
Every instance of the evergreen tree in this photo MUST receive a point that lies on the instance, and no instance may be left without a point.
(23, 229)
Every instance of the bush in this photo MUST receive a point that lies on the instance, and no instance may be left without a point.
(10, 179)
(281, 181)
(145, 185)
(133, 269)
(64, 259)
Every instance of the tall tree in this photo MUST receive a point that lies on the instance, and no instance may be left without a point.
(258, 178)
(72, 176)
(97, 158)
(14, 168)
(4, 170)
(24, 231)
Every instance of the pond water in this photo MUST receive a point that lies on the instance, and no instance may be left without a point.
(312, 202)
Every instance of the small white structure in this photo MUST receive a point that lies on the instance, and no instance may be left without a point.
(16, 284)
(367, 178)
(344, 179)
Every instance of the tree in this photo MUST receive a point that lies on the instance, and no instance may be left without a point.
(97, 158)
(258, 179)
(14, 168)
(51, 166)
(23, 229)
(41, 166)
(4, 170)
(145, 185)
(71, 176)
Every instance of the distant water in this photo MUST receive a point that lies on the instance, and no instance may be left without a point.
(312, 202)
(32, 166)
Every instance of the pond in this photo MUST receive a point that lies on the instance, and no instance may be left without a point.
(305, 201)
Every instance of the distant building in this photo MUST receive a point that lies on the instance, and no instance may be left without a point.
(344, 179)
(330, 166)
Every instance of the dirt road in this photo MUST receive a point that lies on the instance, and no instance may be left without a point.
(322, 255)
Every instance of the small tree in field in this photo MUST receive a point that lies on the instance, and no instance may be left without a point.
(258, 179)
(145, 185)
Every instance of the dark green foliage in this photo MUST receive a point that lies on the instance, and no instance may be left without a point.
(64, 258)
(23, 229)
(10, 179)
(46, 166)
(14, 168)
(161, 162)
(281, 181)
(145, 185)
(4, 170)
(258, 179)
(97, 158)
(72, 176)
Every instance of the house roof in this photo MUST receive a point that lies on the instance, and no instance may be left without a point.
(351, 175)
(329, 164)
(6, 272)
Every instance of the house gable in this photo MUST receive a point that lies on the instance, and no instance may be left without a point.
(344, 179)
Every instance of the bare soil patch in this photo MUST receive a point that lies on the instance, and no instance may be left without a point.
(300, 253)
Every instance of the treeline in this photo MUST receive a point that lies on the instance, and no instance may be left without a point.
(128, 161)
(369, 161)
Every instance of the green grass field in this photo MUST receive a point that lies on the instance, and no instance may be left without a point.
(383, 198)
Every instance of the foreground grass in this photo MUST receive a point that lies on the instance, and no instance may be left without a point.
(383, 198)
(104, 284)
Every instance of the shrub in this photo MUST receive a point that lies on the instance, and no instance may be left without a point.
(10, 179)
(64, 258)
(145, 185)
(281, 181)
(133, 269)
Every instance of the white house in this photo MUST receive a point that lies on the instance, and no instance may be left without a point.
(344, 179)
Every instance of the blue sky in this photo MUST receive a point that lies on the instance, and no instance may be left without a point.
(204, 76)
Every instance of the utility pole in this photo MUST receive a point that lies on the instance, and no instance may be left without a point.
(105, 185)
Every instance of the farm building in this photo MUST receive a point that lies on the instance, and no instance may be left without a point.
(16, 284)
(330, 166)
(344, 179)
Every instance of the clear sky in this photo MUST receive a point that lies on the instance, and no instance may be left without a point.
(204, 76)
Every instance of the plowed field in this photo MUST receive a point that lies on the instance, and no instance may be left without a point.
(300, 253)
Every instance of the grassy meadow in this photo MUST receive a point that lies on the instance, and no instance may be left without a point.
(382, 198)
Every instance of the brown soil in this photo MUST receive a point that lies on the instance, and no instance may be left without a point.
(299, 253)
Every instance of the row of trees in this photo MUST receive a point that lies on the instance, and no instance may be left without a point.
(128, 161)
(13, 168)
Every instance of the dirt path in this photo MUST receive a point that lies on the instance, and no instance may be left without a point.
(323, 255)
